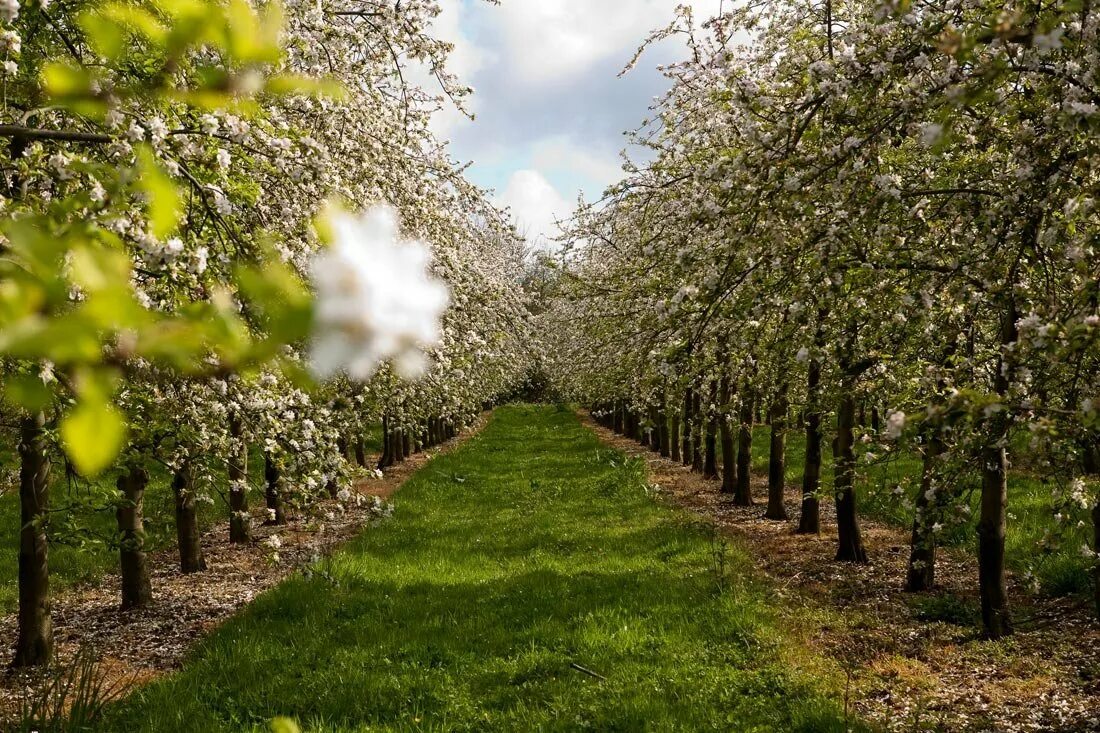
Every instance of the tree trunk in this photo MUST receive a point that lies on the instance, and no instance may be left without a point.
(688, 449)
(273, 493)
(994, 500)
(1096, 560)
(725, 439)
(777, 460)
(991, 543)
(399, 445)
(387, 444)
(674, 435)
(240, 522)
(655, 431)
(698, 430)
(1092, 468)
(406, 447)
(849, 540)
(921, 575)
(662, 428)
(137, 591)
(360, 451)
(710, 449)
(34, 646)
(743, 493)
(187, 522)
(809, 521)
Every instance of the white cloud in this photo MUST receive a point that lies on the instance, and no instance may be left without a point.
(559, 152)
(535, 206)
(549, 41)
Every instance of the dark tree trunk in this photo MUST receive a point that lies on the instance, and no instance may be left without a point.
(342, 447)
(777, 460)
(921, 575)
(674, 434)
(994, 500)
(137, 591)
(876, 420)
(1092, 468)
(399, 454)
(991, 543)
(273, 493)
(34, 646)
(187, 522)
(743, 493)
(725, 434)
(662, 427)
(687, 446)
(240, 522)
(406, 448)
(698, 430)
(849, 540)
(387, 444)
(1096, 562)
(809, 521)
(360, 451)
(710, 456)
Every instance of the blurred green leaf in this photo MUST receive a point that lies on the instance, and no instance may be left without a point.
(93, 435)
(284, 725)
(164, 197)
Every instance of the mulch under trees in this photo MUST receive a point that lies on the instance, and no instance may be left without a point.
(905, 671)
(136, 646)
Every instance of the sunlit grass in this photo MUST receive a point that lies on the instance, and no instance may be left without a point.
(529, 552)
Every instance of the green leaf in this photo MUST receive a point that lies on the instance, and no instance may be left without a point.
(164, 197)
(93, 435)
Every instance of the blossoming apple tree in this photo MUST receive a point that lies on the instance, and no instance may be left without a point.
(858, 209)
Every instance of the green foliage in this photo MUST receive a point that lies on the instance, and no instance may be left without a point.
(473, 607)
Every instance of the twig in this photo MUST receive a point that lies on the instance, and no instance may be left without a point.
(588, 672)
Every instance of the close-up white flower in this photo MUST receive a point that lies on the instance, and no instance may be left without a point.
(376, 298)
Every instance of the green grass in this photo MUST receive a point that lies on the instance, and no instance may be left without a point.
(531, 548)
(1059, 571)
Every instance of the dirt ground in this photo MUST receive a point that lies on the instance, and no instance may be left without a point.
(137, 646)
(905, 674)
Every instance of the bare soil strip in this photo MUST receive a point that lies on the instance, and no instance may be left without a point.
(906, 674)
(137, 646)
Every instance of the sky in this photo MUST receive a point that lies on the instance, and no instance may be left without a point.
(551, 109)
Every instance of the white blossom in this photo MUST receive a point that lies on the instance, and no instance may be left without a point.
(895, 425)
(375, 299)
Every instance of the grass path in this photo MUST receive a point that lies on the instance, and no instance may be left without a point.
(530, 549)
